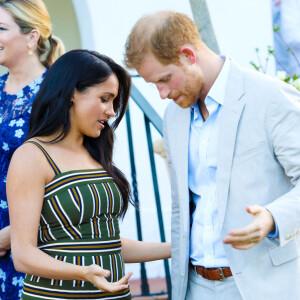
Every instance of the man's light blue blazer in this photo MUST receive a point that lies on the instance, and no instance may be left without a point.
(258, 163)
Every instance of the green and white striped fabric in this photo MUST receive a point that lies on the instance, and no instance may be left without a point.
(79, 225)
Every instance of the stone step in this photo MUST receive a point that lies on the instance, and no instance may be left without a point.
(157, 289)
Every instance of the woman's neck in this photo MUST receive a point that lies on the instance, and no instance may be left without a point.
(72, 140)
(21, 74)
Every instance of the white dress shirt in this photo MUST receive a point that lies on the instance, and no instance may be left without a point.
(206, 244)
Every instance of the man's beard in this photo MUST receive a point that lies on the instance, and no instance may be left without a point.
(192, 90)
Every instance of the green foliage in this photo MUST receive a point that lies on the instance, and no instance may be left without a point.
(270, 50)
(295, 77)
(256, 67)
(285, 76)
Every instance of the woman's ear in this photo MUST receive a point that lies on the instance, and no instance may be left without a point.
(33, 38)
(74, 97)
(187, 54)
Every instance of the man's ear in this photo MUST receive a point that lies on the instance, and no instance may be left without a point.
(33, 38)
(187, 54)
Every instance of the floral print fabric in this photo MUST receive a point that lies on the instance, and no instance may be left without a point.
(14, 122)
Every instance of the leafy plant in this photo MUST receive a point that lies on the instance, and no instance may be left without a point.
(285, 75)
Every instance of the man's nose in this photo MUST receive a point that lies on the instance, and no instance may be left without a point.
(163, 90)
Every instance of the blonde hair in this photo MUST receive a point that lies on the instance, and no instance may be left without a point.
(161, 34)
(32, 14)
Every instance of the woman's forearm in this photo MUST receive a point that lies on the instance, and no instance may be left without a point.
(33, 261)
(135, 251)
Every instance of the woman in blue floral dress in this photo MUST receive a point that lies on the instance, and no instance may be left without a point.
(25, 37)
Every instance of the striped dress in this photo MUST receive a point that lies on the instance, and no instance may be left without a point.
(79, 225)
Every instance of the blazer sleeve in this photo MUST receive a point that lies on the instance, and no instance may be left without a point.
(283, 121)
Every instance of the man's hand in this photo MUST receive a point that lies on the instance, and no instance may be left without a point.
(250, 235)
(4, 240)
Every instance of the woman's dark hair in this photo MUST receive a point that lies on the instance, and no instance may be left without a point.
(81, 69)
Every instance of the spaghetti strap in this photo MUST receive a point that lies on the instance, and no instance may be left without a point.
(50, 160)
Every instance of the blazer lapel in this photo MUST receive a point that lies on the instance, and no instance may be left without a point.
(181, 136)
(232, 110)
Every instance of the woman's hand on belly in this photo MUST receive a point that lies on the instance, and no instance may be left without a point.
(96, 275)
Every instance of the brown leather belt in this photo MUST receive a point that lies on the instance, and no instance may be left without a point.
(213, 273)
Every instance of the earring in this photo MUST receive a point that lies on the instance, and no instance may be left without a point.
(30, 51)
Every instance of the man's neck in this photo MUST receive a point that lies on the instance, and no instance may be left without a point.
(211, 65)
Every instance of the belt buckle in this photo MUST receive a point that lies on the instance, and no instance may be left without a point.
(221, 274)
(195, 268)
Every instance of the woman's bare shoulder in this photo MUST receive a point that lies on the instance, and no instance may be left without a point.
(29, 158)
(28, 152)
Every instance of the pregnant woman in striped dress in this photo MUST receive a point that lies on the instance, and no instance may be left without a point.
(65, 195)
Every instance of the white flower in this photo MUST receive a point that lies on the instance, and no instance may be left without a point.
(29, 110)
(20, 122)
(15, 281)
(20, 94)
(5, 146)
(19, 133)
(2, 273)
(296, 84)
(1, 119)
(18, 281)
(39, 80)
(19, 102)
(31, 85)
(3, 287)
(289, 79)
(12, 123)
(3, 205)
(281, 75)
(36, 89)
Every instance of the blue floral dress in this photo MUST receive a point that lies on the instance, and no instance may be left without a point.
(14, 122)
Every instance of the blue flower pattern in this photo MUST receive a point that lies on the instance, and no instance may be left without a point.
(14, 122)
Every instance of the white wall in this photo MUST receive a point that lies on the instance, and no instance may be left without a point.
(241, 26)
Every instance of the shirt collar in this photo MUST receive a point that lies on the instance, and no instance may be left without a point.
(217, 91)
